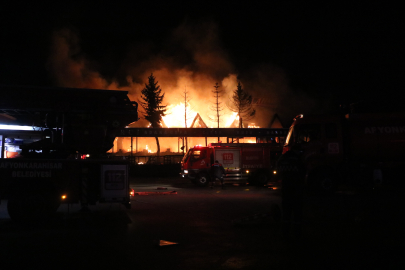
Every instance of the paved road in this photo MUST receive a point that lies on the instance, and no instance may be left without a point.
(213, 229)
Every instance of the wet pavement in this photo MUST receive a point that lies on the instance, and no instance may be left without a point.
(212, 229)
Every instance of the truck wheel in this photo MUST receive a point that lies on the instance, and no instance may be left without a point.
(202, 179)
(31, 207)
(322, 182)
(262, 179)
(327, 183)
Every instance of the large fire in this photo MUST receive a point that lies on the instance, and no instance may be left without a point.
(191, 75)
(175, 118)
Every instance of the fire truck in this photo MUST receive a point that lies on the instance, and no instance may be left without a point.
(353, 150)
(243, 162)
(62, 159)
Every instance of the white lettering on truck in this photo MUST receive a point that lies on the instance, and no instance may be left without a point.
(252, 166)
(30, 165)
(31, 174)
(31, 169)
(252, 158)
(385, 130)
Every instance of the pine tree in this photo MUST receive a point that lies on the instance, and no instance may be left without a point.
(152, 105)
(241, 103)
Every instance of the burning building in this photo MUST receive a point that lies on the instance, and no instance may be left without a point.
(178, 145)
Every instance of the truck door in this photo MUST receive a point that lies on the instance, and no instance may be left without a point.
(333, 142)
(114, 183)
(199, 159)
(310, 137)
(321, 143)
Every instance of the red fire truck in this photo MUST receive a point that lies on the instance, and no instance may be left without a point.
(355, 150)
(243, 162)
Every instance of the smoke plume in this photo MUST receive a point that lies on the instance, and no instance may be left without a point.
(192, 58)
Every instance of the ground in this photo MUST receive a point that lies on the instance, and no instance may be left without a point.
(213, 229)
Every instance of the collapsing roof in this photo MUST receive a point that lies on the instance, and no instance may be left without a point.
(198, 122)
(235, 124)
(276, 122)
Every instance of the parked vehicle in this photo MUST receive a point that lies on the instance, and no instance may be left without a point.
(67, 163)
(358, 150)
(243, 162)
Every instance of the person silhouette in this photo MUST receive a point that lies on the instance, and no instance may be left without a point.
(217, 172)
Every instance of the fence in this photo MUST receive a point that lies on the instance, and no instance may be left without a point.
(167, 159)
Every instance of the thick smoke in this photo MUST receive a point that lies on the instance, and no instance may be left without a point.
(68, 66)
(192, 59)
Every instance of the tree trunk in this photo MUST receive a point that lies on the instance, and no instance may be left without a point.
(158, 146)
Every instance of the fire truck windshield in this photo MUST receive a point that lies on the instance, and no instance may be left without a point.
(198, 153)
(303, 134)
(187, 155)
(195, 153)
(307, 133)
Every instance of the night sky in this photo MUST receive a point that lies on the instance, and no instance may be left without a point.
(329, 53)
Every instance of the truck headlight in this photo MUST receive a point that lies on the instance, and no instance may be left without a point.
(185, 171)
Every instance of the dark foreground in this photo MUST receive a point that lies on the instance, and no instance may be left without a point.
(213, 229)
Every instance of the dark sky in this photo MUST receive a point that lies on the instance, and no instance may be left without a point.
(343, 53)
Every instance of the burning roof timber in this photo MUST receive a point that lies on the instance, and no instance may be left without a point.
(198, 122)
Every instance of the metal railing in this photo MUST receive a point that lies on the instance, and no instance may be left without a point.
(167, 159)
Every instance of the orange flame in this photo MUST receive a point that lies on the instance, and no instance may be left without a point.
(175, 115)
(149, 151)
